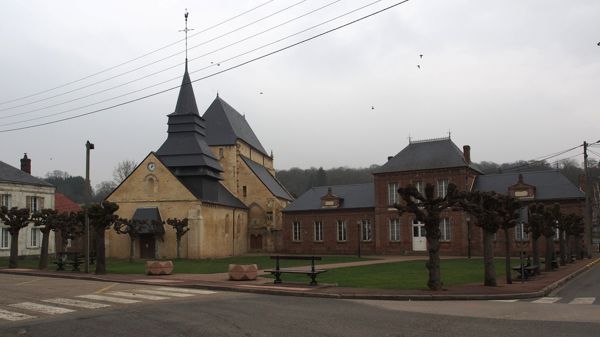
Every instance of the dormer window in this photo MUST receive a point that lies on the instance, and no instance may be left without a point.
(331, 200)
(521, 190)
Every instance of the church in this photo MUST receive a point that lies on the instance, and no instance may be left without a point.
(212, 170)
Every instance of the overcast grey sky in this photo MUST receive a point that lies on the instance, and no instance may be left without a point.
(514, 79)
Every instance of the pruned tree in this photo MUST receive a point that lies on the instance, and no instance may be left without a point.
(132, 228)
(46, 220)
(123, 170)
(485, 207)
(102, 217)
(427, 209)
(574, 228)
(181, 227)
(534, 227)
(69, 226)
(551, 217)
(16, 219)
(509, 218)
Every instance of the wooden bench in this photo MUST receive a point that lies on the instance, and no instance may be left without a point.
(312, 273)
(74, 259)
(526, 271)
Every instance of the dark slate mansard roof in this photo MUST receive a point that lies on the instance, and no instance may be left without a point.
(187, 155)
(425, 155)
(9, 174)
(549, 185)
(225, 125)
(267, 179)
(355, 196)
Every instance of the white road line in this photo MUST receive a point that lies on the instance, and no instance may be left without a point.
(137, 295)
(108, 299)
(506, 301)
(547, 300)
(188, 290)
(45, 309)
(77, 303)
(583, 300)
(13, 316)
(164, 293)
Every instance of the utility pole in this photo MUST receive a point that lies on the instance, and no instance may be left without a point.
(588, 202)
(88, 146)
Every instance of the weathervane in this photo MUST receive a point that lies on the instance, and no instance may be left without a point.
(186, 30)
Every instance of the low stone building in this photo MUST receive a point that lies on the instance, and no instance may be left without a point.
(348, 218)
(18, 188)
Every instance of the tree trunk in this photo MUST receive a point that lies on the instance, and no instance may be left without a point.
(44, 253)
(178, 247)
(578, 250)
(14, 251)
(563, 249)
(507, 256)
(536, 253)
(488, 260)
(131, 248)
(549, 253)
(100, 253)
(433, 265)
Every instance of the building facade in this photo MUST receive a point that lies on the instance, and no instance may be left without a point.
(18, 188)
(374, 225)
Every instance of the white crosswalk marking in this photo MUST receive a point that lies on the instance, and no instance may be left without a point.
(45, 309)
(164, 293)
(13, 316)
(77, 303)
(137, 295)
(108, 299)
(547, 300)
(187, 290)
(583, 300)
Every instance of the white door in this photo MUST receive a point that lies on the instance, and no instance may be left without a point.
(419, 241)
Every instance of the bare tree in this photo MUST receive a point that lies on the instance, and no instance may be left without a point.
(509, 217)
(16, 219)
(103, 189)
(427, 209)
(132, 228)
(46, 220)
(123, 170)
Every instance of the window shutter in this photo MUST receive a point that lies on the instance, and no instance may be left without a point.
(40, 203)
(28, 203)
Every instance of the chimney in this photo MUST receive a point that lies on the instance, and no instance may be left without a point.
(26, 164)
(467, 153)
(390, 158)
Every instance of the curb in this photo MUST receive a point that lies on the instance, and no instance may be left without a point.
(354, 296)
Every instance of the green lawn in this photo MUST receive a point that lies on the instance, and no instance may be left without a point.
(207, 266)
(409, 275)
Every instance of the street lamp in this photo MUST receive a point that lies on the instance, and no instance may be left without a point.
(88, 146)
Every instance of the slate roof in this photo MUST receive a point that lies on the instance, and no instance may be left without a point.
(267, 179)
(425, 155)
(355, 196)
(224, 125)
(11, 174)
(152, 220)
(211, 192)
(550, 184)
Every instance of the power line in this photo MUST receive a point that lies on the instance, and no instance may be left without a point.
(532, 162)
(192, 72)
(151, 63)
(164, 70)
(216, 73)
(136, 58)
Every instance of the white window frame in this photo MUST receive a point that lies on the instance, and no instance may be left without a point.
(393, 196)
(520, 234)
(318, 227)
(556, 234)
(442, 188)
(5, 200)
(394, 229)
(445, 229)
(35, 237)
(342, 231)
(4, 238)
(366, 230)
(419, 186)
(296, 231)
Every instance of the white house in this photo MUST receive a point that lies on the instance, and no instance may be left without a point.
(18, 188)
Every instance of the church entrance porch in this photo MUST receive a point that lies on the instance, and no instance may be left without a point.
(147, 246)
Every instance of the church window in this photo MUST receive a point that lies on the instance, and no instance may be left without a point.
(244, 191)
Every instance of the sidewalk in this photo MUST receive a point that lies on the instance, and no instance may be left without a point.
(537, 287)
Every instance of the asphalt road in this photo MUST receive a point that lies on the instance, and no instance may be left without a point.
(238, 314)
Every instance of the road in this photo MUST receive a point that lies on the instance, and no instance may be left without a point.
(160, 311)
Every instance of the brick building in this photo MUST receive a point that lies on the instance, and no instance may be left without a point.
(343, 219)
